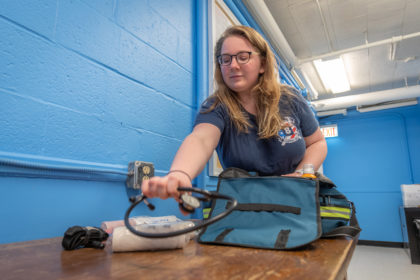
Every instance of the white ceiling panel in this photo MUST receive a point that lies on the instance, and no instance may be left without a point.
(350, 34)
(309, 24)
(409, 70)
(385, 8)
(411, 21)
(380, 67)
(384, 28)
(357, 66)
(347, 10)
(409, 48)
(299, 48)
(361, 31)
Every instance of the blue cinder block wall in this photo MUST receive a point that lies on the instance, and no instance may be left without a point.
(374, 153)
(94, 83)
(100, 83)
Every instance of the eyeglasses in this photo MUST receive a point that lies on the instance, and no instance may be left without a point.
(241, 58)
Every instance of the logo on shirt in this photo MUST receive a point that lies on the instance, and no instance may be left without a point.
(290, 133)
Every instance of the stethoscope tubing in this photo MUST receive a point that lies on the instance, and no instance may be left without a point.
(207, 194)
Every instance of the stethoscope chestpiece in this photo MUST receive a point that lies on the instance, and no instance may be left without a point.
(189, 203)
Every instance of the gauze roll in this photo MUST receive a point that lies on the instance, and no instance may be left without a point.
(155, 220)
(108, 226)
(123, 240)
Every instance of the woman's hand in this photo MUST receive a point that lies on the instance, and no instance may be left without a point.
(294, 174)
(189, 161)
(166, 186)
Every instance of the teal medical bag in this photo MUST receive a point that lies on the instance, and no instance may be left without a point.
(278, 212)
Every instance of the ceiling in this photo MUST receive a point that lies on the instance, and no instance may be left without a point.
(378, 40)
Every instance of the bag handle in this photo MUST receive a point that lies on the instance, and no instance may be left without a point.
(324, 181)
(234, 172)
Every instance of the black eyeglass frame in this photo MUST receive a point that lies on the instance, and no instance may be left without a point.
(219, 58)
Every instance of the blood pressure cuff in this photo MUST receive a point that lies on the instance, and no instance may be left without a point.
(275, 212)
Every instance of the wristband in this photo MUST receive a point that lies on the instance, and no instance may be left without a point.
(180, 171)
(299, 171)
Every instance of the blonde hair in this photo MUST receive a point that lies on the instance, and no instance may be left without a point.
(269, 90)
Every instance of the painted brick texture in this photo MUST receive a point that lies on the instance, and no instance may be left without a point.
(100, 81)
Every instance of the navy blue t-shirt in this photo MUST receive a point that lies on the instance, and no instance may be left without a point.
(274, 156)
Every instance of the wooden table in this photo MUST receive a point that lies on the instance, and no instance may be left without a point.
(45, 259)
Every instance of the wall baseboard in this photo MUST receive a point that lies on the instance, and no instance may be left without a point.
(383, 243)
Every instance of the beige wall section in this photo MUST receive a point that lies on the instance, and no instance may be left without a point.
(221, 18)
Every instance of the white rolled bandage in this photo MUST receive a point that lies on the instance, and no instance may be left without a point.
(123, 240)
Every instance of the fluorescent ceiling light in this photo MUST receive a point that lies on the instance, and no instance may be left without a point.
(333, 74)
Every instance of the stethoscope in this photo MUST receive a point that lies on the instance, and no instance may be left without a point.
(188, 203)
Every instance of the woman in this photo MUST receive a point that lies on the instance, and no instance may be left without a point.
(252, 121)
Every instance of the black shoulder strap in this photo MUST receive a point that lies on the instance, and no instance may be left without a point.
(324, 181)
(233, 172)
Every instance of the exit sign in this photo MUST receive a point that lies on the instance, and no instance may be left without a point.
(329, 130)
